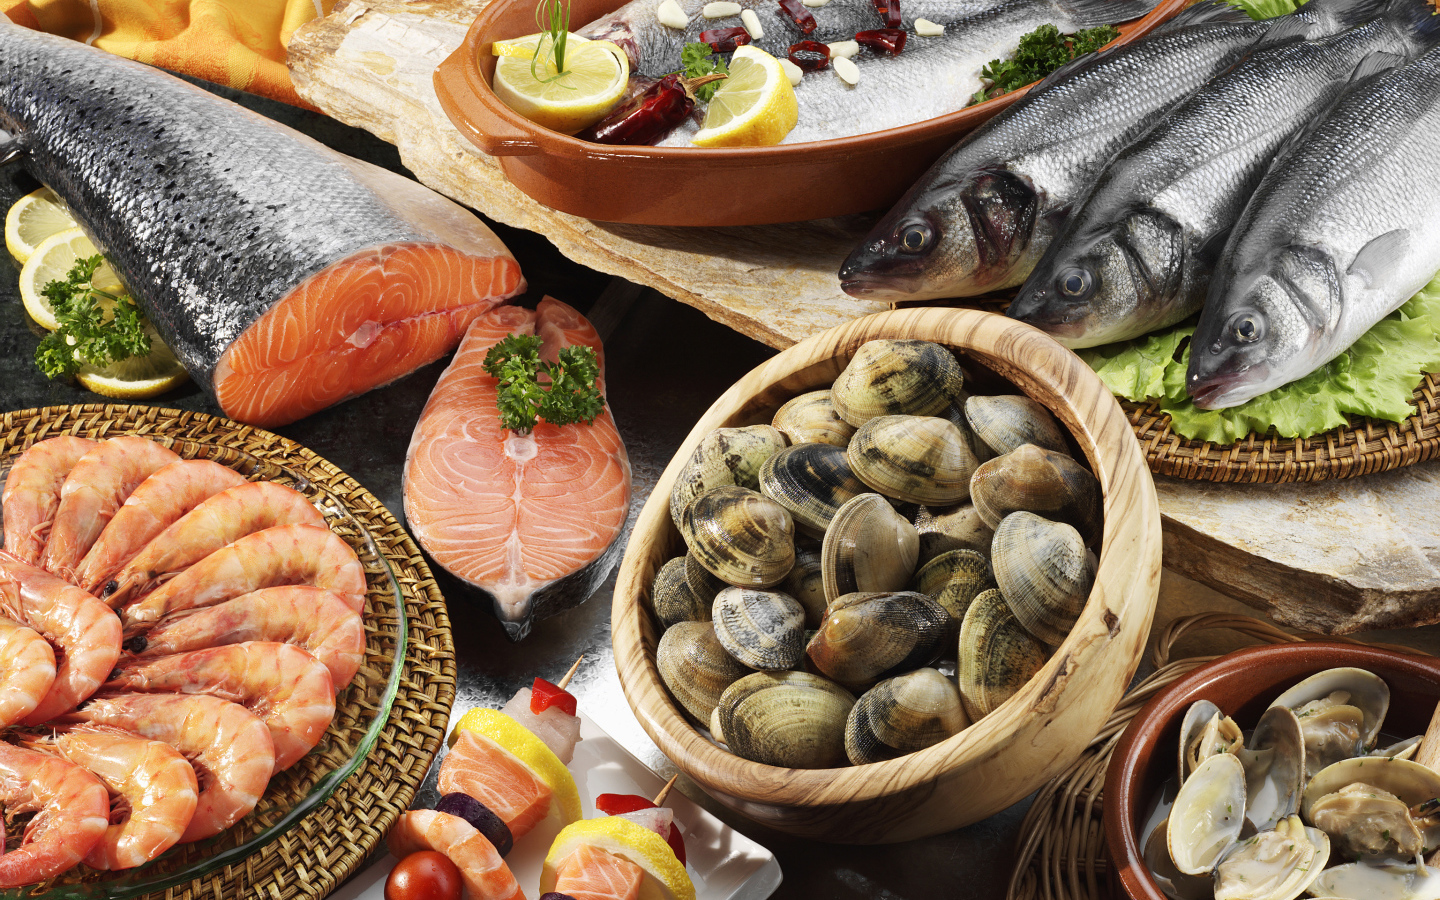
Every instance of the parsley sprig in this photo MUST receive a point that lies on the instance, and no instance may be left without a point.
(698, 59)
(562, 393)
(87, 334)
(1041, 52)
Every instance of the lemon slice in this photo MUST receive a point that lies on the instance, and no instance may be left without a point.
(52, 261)
(138, 377)
(754, 107)
(32, 219)
(596, 75)
(530, 750)
(665, 877)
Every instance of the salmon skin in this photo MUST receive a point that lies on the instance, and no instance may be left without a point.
(285, 276)
(532, 522)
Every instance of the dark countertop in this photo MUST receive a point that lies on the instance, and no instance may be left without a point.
(666, 364)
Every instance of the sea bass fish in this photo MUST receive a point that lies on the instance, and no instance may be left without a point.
(982, 216)
(1343, 229)
(285, 276)
(931, 77)
(1137, 254)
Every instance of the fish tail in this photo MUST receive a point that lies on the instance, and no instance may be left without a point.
(1090, 13)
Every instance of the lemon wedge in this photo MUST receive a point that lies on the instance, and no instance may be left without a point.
(52, 261)
(138, 377)
(32, 219)
(595, 77)
(665, 877)
(754, 107)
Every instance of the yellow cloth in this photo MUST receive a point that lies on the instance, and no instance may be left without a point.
(240, 43)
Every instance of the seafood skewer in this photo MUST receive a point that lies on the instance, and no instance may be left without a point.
(32, 493)
(72, 811)
(26, 673)
(485, 874)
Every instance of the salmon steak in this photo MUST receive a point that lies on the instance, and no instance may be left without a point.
(285, 276)
(532, 522)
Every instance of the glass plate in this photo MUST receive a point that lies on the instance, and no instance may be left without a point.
(361, 711)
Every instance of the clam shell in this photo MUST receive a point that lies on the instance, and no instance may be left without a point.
(791, 719)
(869, 636)
(811, 418)
(891, 377)
(724, 456)
(763, 629)
(1276, 864)
(806, 583)
(1205, 731)
(951, 528)
(1333, 735)
(1352, 830)
(695, 668)
(741, 537)
(917, 459)
(1274, 768)
(997, 656)
(955, 413)
(1044, 572)
(812, 481)
(1208, 814)
(953, 580)
(703, 583)
(672, 598)
(1041, 481)
(869, 547)
(903, 714)
(1006, 421)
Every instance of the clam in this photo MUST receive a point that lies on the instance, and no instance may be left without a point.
(954, 528)
(703, 583)
(695, 668)
(1405, 749)
(955, 412)
(792, 719)
(725, 456)
(763, 629)
(812, 481)
(1340, 712)
(1204, 732)
(1364, 804)
(868, 547)
(1274, 768)
(869, 636)
(741, 537)
(891, 377)
(1006, 421)
(1208, 814)
(1041, 481)
(954, 579)
(1275, 864)
(903, 714)
(806, 584)
(811, 418)
(1377, 882)
(672, 598)
(1044, 571)
(917, 459)
(997, 656)
(1171, 880)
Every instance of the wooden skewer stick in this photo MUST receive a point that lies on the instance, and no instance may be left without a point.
(570, 674)
(665, 791)
(1429, 755)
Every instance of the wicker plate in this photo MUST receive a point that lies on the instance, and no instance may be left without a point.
(320, 819)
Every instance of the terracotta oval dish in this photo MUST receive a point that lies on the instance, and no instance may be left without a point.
(1028, 739)
(690, 185)
(1242, 684)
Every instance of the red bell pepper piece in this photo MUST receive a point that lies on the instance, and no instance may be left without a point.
(545, 695)
(619, 804)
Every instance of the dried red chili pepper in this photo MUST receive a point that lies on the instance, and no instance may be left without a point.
(649, 116)
(886, 41)
(799, 15)
(889, 10)
(724, 40)
(810, 56)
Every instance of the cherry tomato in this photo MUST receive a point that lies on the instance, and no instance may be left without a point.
(423, 875)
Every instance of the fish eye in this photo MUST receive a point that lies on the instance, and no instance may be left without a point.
(1075, 283)
(914, 238)
(1247, 328)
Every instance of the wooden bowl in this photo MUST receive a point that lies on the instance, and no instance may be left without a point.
(690, 185)
(1242, 684)
(1004, 756)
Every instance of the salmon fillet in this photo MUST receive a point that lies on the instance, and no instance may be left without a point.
(494, 776)
(531, 521)
(594, 874)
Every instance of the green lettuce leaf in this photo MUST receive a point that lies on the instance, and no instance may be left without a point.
(1266, 9)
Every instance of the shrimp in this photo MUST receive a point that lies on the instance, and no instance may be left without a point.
(228, 747)
(72, 811)
(93, 492)
(154, 787)
(285, 686)
(157, 502)
(27, 670)
(484, 873)
(85, 633)
(318, 620)
(287, 554)
(219, 521)
(32, 493)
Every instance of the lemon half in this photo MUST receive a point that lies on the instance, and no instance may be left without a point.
(595, 77)
(754, 107)
(32, 219)
(665, 877)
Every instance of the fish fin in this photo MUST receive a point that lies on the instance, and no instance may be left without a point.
(1334, 16)
(1382, 256)
(1376, 63)
(1287, 29)
(1206, 12)
(11, 147)
(1090, 13)
(1083, 61)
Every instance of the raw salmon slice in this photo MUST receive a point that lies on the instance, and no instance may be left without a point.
(594, 874)
(532, 521)
(487, 772)
(485, 874)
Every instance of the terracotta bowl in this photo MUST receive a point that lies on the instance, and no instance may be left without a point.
(1004, 756)
(1242, 684)
(689, 185)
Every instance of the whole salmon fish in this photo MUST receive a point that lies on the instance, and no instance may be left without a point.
(532, 521)
(984, 214)
(1344, 227)
(285, 276)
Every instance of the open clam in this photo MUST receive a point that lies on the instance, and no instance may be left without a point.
(869, 636)
(726, 456)
(812, 481)
(903, 714)
(741, 537)
(792, 719)
(1204, 732)
(896, 377)
(1274, 768)
(1351, 880)
(1208, 814)
(868, 547)
(917, 459)
(1033, 479)
(1006, 421)
(1340, 712)
(762, 629)
(811, 418)
(997, 656)
(1044, 571)
(1275, 864)
(1365, 803)
(695, 668)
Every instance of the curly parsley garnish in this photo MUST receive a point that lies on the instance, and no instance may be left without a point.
(562, 393)
(697, 59)
(87, 333)
(1041, 52)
